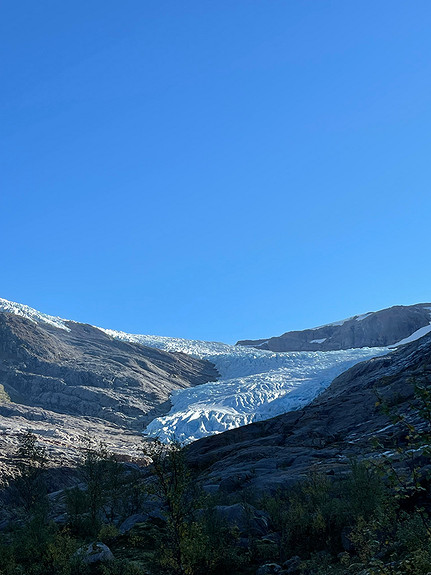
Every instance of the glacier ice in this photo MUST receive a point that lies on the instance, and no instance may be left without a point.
(32, 314)
(254, 385)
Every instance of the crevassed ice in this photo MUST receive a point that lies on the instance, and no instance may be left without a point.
(255, 384)
(32, 314)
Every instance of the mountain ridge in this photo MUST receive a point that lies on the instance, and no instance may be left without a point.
(386, 327)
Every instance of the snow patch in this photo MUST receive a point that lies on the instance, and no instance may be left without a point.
(414, 336)
(319, 340)
(363, 316)
(343, 321)
(335, 323)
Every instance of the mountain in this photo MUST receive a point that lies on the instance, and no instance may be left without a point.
(387, 327)
(83, 371)
(66, 379)
(324, 435)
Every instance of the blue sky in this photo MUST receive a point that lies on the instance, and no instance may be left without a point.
(215, 170)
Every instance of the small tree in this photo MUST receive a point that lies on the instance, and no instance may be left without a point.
(31, 461)
(171, 485)
(404, 465)
(106, 493)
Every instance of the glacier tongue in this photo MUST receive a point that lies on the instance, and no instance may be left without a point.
(255, 384)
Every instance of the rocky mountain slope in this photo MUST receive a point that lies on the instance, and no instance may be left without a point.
(336, 426)
(67, 379)
(83, 371)
(72, 378)
(386, 327)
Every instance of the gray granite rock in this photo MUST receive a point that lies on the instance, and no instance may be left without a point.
(292, 565)
(248, 519)
(95, 553)
(131, 521)
(85, 372)
(375, 329)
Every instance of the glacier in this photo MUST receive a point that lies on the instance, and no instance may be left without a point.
(254, 384)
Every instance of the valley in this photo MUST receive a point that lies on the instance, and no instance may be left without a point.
(89, 424)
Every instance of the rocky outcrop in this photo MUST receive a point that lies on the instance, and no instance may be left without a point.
(96, 552)
(246, 518)
(323, 436)
(63, 436)
(375, 329)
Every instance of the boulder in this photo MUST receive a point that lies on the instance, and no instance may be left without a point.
(94, 553)
(132, 521)
(292, 565)
(248, 519)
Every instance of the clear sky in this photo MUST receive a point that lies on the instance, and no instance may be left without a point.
(215, 169)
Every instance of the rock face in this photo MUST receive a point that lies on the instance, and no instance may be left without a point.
(62, 435)
(85, 372)
(248, 521)
(375, 329)
(66, 381)
(323, 436)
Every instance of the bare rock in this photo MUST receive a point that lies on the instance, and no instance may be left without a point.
(292, 565)
(95, 553)
(374, 329)
(65, 383)
(248, 519)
